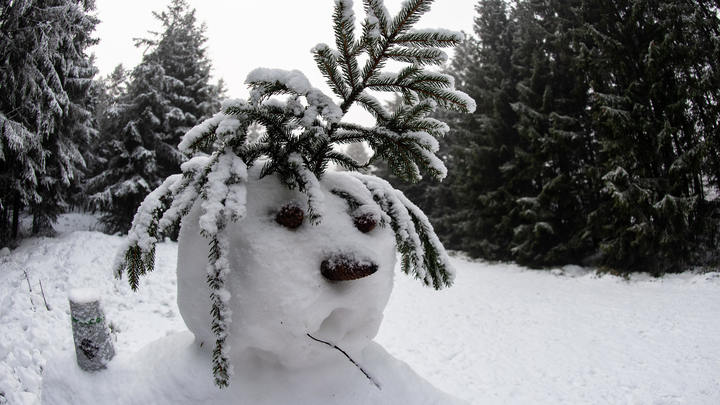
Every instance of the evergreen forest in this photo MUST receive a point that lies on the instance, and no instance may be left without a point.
(596, 138)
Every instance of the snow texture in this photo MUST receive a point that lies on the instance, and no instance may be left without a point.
(297, 82)
(501, 335)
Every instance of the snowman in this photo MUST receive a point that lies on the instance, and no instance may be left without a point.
(284, 265)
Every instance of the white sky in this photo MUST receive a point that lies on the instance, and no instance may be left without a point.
(245, 34)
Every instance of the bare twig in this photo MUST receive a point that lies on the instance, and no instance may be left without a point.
(27, 278)
(47, 306)
(348, 357)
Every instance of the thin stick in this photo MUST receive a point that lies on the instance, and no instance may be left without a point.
(348, 357)
(47, 306)
(29, 288)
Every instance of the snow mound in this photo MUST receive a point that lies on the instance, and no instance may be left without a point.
(175, 370)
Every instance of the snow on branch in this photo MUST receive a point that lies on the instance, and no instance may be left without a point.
(440, 38)
(423, 255)
(138, 257)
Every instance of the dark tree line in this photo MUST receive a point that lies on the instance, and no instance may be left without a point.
(595, 140)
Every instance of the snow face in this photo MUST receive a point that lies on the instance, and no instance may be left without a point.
(279, 295)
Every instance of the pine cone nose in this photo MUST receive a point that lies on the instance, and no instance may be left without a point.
(343, 268)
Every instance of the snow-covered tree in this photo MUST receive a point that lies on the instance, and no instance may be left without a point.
(552, 121)
(479, 211)
(109, 94)
(595, 135)
(43, 112)
(303, 129)
(168, 93)
(655, 109)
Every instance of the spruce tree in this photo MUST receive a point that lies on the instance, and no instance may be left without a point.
(42, 106)
(169, 92)
(553, 121)
(302, 132)
(111, 91)
(76, 130)
(483, 147)
(595, 135)
(655, 86)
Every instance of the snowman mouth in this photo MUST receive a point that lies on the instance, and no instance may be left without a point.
(344, 267)
(334, 346)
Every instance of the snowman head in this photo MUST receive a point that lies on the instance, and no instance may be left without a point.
(271, 287)
(291, 280)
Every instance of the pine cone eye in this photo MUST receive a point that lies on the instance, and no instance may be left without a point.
(365, 222)
(290, 216)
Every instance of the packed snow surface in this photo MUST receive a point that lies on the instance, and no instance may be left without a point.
(501, 335)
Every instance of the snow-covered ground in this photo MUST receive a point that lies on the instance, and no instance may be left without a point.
(501, 335)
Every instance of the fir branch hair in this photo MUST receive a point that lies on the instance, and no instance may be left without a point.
(299, 143)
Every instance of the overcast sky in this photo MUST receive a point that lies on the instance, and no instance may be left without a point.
(245, 34)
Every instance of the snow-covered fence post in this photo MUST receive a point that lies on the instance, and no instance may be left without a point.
(93, 344)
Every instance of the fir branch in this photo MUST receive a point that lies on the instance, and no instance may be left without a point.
(345, 161)
(415, 112)
(376, 8)
(450, 100)
(327, 63)
(418, 56)
(373, 106)
(352, 202)
(138, 258)
(423, 255)
(430, 38)
(432, 80)
(345, 137)
(308, 183)
(410, 14)
(183, 196)
(218, 268)
(344, 28)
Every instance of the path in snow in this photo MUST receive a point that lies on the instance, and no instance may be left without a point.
(501, 335)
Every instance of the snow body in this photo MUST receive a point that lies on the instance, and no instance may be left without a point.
(283, 310)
